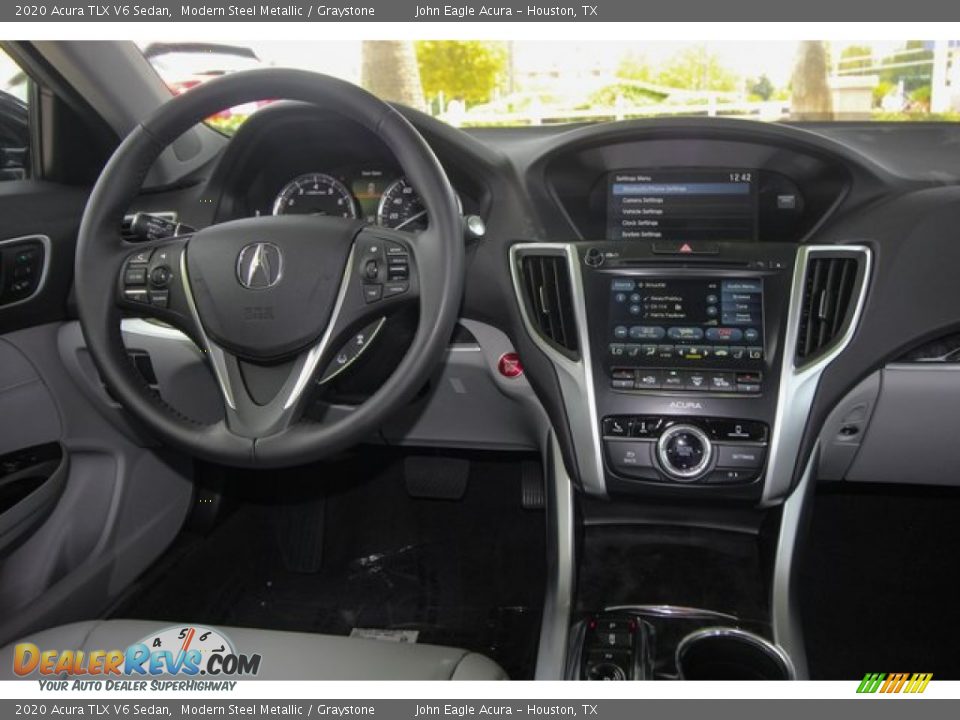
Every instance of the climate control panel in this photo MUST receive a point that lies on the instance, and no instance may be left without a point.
(688, 450)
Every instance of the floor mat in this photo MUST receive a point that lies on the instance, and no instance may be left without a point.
(469, 574)
(880, 582)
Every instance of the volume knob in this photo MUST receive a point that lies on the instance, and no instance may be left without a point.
(684, 452)
(593, 257)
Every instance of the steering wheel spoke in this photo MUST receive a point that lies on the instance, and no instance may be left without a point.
(262, 400)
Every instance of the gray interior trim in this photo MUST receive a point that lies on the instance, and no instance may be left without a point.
(558, 603)
(47, 249)
(798, 385)
(575, 376)
(847, 427)
(120, 508)
(905, 442)
(785, 615)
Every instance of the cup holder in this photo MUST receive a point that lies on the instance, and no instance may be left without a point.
(731, 654)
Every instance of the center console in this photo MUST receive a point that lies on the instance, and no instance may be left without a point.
(687, 370)
(687, 340)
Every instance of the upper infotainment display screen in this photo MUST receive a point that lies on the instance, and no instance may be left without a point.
(682, 204)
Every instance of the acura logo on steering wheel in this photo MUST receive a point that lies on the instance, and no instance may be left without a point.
(259, 266)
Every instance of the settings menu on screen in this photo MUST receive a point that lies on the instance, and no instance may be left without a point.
(682, 204)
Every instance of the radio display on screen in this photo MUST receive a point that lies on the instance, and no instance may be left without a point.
(661, 321)
(682, 204)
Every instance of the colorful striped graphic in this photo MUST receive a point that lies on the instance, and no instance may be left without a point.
(895, 682)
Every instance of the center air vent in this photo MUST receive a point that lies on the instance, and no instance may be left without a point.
(547, 290)
(828, 304)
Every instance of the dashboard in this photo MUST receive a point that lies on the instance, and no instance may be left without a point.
(693, 187)
(290, 159)
(378, 196)
(687, 234)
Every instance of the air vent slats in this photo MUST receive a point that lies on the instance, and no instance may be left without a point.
(827, 303)
(546, 282)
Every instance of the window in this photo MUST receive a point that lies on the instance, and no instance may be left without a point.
(475, 83)
(14, 120)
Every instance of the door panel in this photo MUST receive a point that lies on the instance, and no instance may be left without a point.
(33, 208)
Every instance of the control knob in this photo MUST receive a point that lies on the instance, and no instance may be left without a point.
(593, 257)
(684, 452)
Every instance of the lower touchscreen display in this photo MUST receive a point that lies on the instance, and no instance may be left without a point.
(716, 321)
(682, 204)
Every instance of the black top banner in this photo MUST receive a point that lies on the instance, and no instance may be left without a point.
(462, 11)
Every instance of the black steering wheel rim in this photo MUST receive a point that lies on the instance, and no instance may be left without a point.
(101, 251)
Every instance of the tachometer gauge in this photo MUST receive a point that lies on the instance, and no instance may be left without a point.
(315, 194)
(401, 208)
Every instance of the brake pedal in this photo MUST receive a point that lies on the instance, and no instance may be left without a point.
(532, 492)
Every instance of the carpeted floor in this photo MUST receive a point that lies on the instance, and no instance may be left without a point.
(466, 573)
(880, 583)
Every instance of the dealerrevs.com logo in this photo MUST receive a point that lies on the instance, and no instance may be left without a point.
(890, 683)
(174, 651)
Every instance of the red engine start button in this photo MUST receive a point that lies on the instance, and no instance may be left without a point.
(509, 365)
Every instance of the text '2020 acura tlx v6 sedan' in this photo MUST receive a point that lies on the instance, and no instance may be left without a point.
(356, 393)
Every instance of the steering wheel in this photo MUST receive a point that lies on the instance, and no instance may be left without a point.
(268, 299)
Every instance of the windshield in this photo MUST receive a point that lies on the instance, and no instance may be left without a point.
(472, 83)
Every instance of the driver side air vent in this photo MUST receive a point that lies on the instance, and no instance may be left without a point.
(547, 290)
(828, 304)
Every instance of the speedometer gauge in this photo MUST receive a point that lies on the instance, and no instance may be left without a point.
(401, 208)
(315, 194)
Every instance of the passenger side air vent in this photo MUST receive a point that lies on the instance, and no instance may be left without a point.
(548, 294)
(828, 304)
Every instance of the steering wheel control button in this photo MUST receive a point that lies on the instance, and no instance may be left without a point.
(371, 270)
(141, 258)
(160, 276)
(135, 276)
(137, 295)
(392, 289)
(351, 350)
(684, 452)
(748, 457)
(160, 298)
(372, 293)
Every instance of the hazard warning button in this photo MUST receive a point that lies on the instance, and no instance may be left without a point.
(686, 248)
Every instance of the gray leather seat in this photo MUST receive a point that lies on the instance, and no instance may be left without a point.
(285, 655)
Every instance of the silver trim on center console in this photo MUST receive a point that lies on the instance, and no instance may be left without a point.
(575, 376)
(798, 384)
(558, 602)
